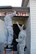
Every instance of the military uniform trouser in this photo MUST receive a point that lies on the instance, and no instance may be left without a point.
(9, 35)
(20, 49)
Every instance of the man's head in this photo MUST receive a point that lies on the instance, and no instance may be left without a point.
(24, 27)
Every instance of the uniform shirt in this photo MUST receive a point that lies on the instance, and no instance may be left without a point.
(22, 37)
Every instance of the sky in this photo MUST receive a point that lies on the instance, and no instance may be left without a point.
(14, 3)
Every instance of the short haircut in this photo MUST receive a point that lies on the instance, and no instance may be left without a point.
(24, 27)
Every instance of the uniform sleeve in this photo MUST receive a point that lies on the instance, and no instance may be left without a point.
(19, 26)
(12, 14)
(20, 39)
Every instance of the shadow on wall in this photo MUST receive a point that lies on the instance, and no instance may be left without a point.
(28, 30)
(2, 36)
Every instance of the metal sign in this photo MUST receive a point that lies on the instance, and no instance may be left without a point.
(22, 14)
(17, 14)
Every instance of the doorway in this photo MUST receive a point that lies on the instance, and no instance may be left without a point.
(15, 36)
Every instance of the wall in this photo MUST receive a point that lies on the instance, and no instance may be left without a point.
(2, 36)
(28, 4)
(33, 25)
(21, 20)
(28, 32)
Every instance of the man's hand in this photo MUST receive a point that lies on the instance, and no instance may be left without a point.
(16, 39)
(17, 23)
(15, 12)
(9, 46)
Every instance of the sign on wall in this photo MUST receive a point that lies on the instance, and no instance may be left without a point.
(17, 14)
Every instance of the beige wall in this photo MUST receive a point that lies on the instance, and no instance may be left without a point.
(20, 20)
